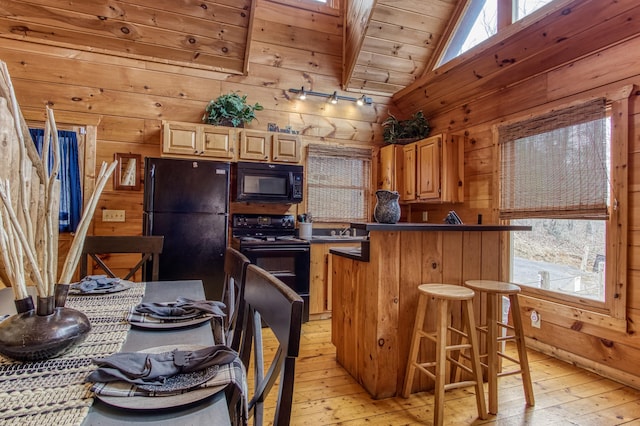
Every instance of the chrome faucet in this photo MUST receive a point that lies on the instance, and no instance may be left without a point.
(345, 231)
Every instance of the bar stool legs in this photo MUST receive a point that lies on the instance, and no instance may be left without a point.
(442, 295)
(495, 290)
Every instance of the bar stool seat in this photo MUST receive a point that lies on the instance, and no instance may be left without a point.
(442, 295)
(495, 290)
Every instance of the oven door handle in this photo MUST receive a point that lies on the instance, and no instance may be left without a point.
(272, 249)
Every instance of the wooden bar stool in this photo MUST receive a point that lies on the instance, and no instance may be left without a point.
(495, 290)
(442, 295)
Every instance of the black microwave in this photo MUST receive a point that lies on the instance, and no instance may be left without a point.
(269, 183)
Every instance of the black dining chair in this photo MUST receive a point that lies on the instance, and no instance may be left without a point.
(149, 247)
(235, 266)
(271, 303)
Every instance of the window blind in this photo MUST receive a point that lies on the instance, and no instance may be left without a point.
(556, 165)
(338, 181)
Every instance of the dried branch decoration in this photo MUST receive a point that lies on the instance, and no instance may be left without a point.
(29, 224)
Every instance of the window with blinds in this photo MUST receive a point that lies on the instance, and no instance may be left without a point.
(338, 182)
(554, 177)
(556, 165)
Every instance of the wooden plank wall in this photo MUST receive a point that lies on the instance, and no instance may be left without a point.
(569, 74)
(127, 96)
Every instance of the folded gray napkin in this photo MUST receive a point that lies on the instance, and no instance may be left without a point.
(154, 368)
(181, 307)
(95, 282)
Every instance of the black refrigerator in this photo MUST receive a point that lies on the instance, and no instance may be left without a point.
(187, 201)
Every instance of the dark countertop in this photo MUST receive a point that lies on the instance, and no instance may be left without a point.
(408, 226)
(362, 253)
(318, 239)
(356, 253)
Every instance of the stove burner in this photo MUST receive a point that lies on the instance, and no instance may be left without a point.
(271, 238)
(272, 229)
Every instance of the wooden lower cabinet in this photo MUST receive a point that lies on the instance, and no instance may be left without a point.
(320, 281)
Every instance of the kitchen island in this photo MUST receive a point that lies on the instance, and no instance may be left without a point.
(375, 294)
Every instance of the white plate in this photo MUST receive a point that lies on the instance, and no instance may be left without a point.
(161, 402)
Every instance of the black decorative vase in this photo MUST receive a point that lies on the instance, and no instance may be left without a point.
(387, 209)
(45, 332)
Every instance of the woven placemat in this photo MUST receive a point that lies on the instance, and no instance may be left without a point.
(53, 391)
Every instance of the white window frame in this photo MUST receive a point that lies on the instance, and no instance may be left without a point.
(505, 18)
(569, 309)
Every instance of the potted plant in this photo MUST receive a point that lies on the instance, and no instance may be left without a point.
(405, 131)
(230, 110)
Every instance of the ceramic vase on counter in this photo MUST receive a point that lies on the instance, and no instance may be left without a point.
(387, 209)
(44, 331)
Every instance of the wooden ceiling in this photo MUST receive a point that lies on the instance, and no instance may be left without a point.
(391, 43)
(388, 43)
(203, 34)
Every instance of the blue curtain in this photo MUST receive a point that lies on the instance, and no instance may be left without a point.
(69, 176)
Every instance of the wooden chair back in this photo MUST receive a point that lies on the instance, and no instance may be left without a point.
(150, 248)
(235, 266)
(270, 302)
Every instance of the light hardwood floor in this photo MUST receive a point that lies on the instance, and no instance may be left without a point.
(325, 394)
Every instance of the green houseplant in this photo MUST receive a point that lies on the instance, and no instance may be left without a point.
(405, 131)
(230, 110)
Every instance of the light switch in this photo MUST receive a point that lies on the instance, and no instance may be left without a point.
(113, 215)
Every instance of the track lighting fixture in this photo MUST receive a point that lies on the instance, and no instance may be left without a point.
(303, 94)
(333, 98)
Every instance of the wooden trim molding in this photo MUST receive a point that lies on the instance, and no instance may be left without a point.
(582, 362)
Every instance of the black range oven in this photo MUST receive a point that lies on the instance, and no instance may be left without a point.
(269, 241)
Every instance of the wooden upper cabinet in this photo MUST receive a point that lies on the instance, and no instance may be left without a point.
(198, 140)
(429, 170)
(286, 148)
(408, 173)
(180, 139)
(219, 142)
(259, 145)
(389, 175)
(255, 145)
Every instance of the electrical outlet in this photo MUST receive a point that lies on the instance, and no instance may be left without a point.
(113, 216)
(425, 216)
(535, 319)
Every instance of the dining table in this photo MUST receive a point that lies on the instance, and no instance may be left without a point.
(54, 391)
